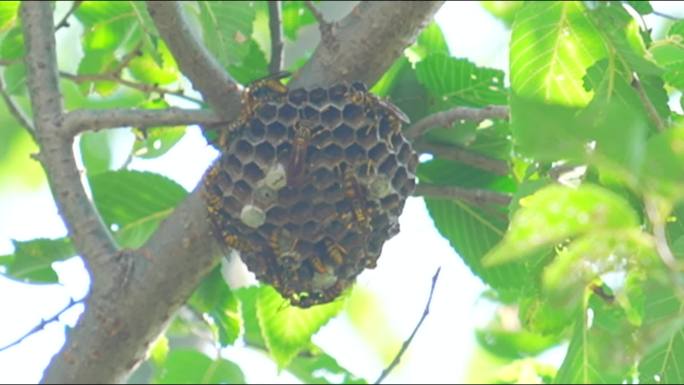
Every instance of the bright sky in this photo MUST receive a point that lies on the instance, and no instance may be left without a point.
(440, 352)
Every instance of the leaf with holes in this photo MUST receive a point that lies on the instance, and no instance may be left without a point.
(552, 45)
(555, 213)
(458, 81)
(156, 141)
(134, 203)
(288, 329)
(32, 260)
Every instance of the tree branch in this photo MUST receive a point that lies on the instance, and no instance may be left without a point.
(276, 26)
(79, 121)
(42, 324)
(199, 65)
(64, 23)
(475, 196)
(406, 343)
(458, 154)
(648, 105)
(448, 117)
(366, 42)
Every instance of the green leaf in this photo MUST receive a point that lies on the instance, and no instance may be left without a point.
(96, 151)
(214, 298)
(248, 298)
(552, 45)
(409, 94)
(513, 344)
(12, 46)
(146, 69)
(8, 13)
(663, 330)
(185, 366)
(669, 54)
(295, 15)
(430, 41)
(134, 203)
(227, 27)
(641, 6)
(253, 66)
(538, 314)
(664, 165)
(15, 79)
(556, 213)
(459, 81)
(601, 351)
(156, 141)
(287, 329)
(97, 62)
(32, 260)
(503, 10)
(592, 255)
(320, 368)
(472, 233)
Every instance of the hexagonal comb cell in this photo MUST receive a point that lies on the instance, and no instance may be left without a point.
(332, 172)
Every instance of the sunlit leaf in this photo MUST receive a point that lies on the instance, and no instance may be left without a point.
(430, 41)
(133, 203)
(295, 15)
(146, 69)
(669, 54)
(503, 10)
(552, 45)
(32, 260)
(556, 213)
(287, 329)
(214, 298)
(185, 366)
(8, 13)
(664, 165)
(253, 66)
(156, 141)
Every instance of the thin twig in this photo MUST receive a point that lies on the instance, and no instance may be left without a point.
(650, 108)
(16, 111)
(448, 117)
(43, 323)
(316, 13)
(406, 343)
(146, 88)
(276, 26)
(324, 26)
(458, 154)
(478, 197)
(64, 23)
(665, 15)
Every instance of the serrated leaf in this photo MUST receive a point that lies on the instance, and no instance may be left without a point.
(32, 260)
(252, 67)
(431, 40)
(288, 329)
(185, 366)
(409, 95)
(146, 69)
(669, 54)
(663, 328)
(552, 45)
(134, 202)
(214, 298)
(459, 81)
(600, 351)
(295, 15)
(556, 213)
(227, 27)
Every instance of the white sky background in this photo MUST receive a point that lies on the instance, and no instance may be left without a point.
(440, 352)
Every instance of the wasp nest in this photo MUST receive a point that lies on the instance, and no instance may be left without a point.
(310, 184)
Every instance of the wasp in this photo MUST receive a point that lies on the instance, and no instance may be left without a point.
(237, 243)
(262, 90)
(284, 245)
(302, 137)
(335, 251)
(352, 191)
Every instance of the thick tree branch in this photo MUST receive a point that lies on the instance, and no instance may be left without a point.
(366, 42)
(448, 117)
(90, 236)
(475, 196)
(276, 26)
(406, 343)
(458, 154)
(79, 121)
(195, 61)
